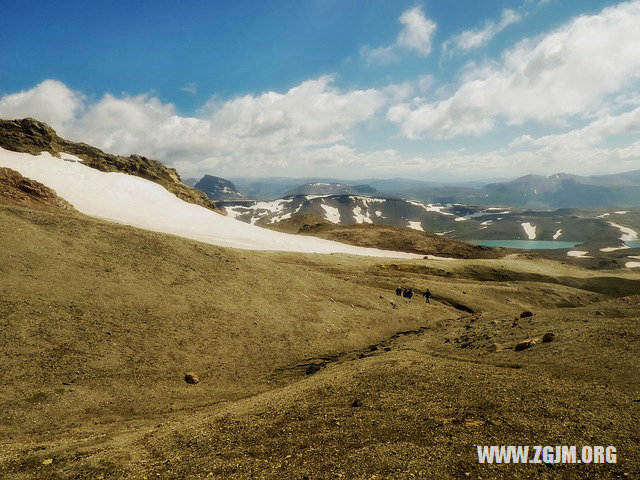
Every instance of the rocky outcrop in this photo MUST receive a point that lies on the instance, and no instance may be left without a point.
(18, 190)
(28, 135)
(218, 188)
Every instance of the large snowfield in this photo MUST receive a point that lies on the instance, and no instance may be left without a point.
(141, 203)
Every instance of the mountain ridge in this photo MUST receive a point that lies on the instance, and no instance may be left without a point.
(28, 135)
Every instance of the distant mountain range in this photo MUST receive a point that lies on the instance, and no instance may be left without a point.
(568, 191)
(331, 188)
(601, 228)
(621, 190)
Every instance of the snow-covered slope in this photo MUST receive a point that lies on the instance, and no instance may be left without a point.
(134, 201)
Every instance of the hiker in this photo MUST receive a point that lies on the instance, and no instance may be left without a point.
(427, 295)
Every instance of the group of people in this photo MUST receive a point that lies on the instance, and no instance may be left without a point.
(408, 293)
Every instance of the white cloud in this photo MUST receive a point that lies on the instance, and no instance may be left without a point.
(416, 35)
(51, 101)
(471, 39)
(190, 87)
(569, 72)
(252, 134)
(417, 31)
(379, 56)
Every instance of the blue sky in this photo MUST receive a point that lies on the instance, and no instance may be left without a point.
(432, 90)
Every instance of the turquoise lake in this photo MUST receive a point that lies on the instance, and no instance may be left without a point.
(633, 243)
(526, 244)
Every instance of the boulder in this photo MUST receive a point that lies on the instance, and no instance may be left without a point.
(548, 337)
(526, 314)
(191, 378)
(524, 345)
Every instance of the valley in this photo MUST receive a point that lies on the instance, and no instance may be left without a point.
(606, 236)
(98, 334)
(145, 335)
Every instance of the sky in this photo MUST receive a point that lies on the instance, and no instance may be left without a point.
(432, 90)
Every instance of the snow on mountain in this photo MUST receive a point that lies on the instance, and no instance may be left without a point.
(416, 226)
(141, 203)
(530, 230)
(343, 210)
(628, 234)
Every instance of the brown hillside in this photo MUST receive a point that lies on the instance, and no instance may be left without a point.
(31, 136)
(18, 190)
(385, 237)
(309, 365)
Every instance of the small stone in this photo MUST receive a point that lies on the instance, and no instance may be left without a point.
(493, 347)
(47, 461)
(548, 337)
(191, 378)
(357, 403)
(524, 345)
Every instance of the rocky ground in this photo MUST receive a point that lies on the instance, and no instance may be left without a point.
(18, 190)
(309, 366)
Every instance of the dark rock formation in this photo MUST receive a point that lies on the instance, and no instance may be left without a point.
(18, 190)
(217, 188)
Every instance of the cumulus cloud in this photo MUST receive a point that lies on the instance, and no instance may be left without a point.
(416, 35)
(569, 72)
(252, 133)
(416, 32)
(51, 101)
(476, 38)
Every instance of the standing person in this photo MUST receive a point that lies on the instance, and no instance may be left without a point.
(427, 295)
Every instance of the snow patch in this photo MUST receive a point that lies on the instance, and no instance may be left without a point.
(331, 213)
(627, 233)
(132, 200)
(530, 230)
(557, 234)
(578, 254)
(621, 212)
(632, 264)
(613, 249)
(431, 207)
(416, 225)
(361, 217)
